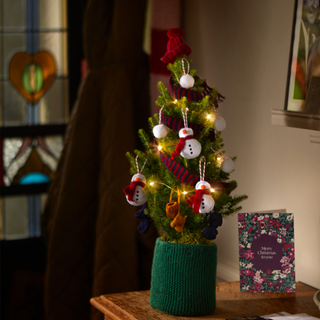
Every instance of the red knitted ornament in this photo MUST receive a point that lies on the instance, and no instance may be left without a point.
(176, 46)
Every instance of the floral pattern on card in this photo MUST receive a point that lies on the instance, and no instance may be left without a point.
(266, 252)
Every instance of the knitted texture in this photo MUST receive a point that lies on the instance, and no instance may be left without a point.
(177, 124)
(188, 178)
(176, 46)
(183, 278)
(192, 95)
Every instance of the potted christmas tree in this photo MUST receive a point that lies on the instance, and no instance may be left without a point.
(181, 181)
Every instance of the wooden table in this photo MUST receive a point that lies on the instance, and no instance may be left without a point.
(231, 303)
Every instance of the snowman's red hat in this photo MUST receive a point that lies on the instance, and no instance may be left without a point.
(176, 46)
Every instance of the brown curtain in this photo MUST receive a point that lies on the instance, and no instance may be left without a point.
(94, 247)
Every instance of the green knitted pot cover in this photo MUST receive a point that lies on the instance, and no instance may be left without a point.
(184, 278)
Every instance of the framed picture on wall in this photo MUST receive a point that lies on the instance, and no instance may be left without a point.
(304, 65)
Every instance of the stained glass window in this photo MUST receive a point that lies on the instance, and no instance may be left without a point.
(34, 109)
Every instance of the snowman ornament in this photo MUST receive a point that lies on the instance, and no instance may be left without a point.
(188, 147)
(135, 193)
(207, 202)
(202, 202)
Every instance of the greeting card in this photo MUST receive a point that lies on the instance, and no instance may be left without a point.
(266, 252)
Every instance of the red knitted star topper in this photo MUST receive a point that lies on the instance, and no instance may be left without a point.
(176, 46)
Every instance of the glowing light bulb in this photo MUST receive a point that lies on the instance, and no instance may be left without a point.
(219, 159)
(175, 101)
(212, 190)
(151, 183)
(159, 148)
(209, 116)
(184, 192)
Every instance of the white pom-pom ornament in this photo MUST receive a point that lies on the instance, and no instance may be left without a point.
(227, 165)
(220, 124)
(186, 81)
(207, 202)
(160, 131)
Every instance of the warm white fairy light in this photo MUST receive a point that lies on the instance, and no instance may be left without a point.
(175, 101)
(159, 148)
(154, 183)
(212, 190)
(220, 160)
(184, 192)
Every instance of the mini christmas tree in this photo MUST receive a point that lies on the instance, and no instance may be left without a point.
(182, 177)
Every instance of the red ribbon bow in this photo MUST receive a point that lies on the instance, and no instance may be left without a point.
(180, 146)
(129, 190)
(195, 200)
